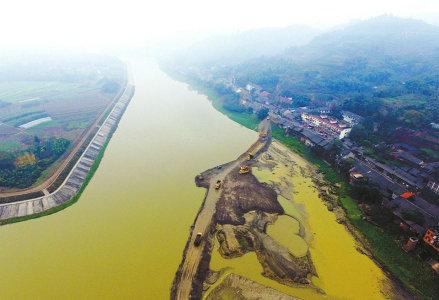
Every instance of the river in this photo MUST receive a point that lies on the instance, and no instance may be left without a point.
(125, 236)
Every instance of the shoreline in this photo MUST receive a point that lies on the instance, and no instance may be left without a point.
(57, 172)
(192, 271)
(77, 177)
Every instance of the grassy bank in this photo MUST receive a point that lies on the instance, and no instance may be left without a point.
(409, 270)
(73, 200)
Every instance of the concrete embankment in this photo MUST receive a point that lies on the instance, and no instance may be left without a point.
(78, 174)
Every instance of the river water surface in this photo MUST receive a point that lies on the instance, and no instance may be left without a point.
(125, 236)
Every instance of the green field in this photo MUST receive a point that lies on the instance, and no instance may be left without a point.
(73, 92)
(9, 146)
(20, 119)
(34, 91)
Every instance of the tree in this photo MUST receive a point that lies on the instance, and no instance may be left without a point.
(336, 112)
(300, 100)
(414, 216)
(110, 86)
(36, 145)
(262, 113)
(6, 161)
(413, 118)
(365, 192)
(359, 133)
(345, 166)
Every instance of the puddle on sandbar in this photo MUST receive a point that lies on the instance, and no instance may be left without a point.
(343, 272)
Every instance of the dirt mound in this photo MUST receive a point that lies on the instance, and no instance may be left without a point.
(243, 193)
(238, 287)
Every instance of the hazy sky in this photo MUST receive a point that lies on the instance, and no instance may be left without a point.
(88, 22)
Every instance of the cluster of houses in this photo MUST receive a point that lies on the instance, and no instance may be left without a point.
(327, 125)
(398, 183)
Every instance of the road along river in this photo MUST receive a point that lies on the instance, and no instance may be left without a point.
(126, 234)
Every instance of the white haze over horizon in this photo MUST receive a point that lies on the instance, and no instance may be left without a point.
(91, 25)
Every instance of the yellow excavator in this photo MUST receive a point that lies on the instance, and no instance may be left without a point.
(244, 169)
(218, 185)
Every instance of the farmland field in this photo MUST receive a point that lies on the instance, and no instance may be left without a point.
(35, 91)
(50, 102)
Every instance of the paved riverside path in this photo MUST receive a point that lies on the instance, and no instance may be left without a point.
(193, 255)
(74, 180)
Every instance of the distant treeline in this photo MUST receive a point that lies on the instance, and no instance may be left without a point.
(385, 69)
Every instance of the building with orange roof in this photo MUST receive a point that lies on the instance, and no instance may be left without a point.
(407, 195)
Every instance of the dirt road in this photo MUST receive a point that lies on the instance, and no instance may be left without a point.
(193, 255)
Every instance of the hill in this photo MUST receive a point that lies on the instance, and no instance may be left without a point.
(231, 49)
(385, 69)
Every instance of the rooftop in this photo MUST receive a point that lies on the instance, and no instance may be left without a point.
(407, 195)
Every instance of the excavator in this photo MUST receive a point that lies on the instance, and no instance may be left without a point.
(244, 169)
(198, 239)
(218, 185)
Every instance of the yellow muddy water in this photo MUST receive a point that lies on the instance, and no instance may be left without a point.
(125, 236)
(285, 231)
(343, 273)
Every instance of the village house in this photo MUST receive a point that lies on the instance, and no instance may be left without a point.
(407, 157)
(275, 118)
(288, 114)
(285, 100)
(264, 95)
(312, 138)
(355, 176)
(431, 238)
(338, 128)
(433, 186)
(396, 174)
(386, 186)
(431, 167)
(252, 87)
(351, 118)
(407, 195)
(346, 154)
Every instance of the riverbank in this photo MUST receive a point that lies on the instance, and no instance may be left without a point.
(77, 177)
(116, 242)
(53, 176)
(66, 204)
(191, 273)
(406, 269)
